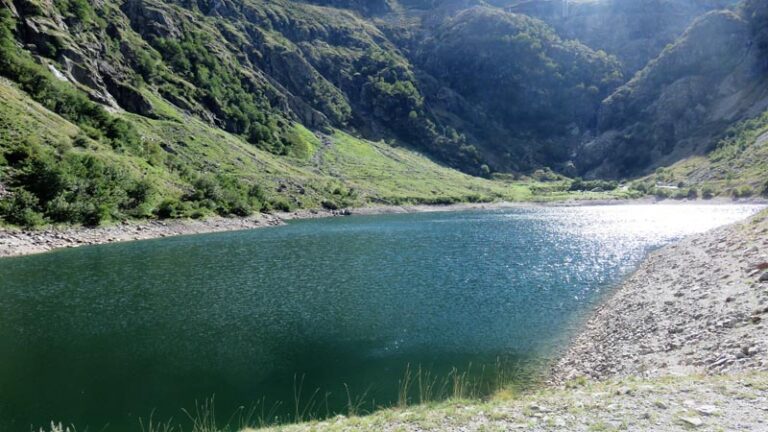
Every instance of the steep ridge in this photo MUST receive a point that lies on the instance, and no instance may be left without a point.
(506, 87)
(682, 102)
(634, 31)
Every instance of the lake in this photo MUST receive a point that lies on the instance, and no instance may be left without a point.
(330, 310)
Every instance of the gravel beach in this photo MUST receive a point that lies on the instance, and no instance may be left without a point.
(699, 306)
(16, 242)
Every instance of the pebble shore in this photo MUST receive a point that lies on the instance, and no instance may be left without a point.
(16, 242)
(699, 306)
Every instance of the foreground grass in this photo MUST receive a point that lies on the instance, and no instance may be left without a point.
(737, 401)
(725, 402)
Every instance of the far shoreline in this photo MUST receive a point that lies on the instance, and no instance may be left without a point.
(20, 242)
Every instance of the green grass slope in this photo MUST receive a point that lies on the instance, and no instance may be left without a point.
(51, 171)
(737, 167)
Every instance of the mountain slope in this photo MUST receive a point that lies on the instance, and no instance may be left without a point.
(52, 170)
(634, 31)
(532, 91)
(163, 108)
(682, 102)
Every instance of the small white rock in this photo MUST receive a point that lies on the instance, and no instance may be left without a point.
(693, 421)
(707, 410)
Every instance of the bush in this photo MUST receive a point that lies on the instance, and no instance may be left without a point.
(742, 192)
(708, 192)
(329, 205)
(680, 194)
(76, 186)
(661, 193)
(280, 204)
(593, 185)
(21, 208)
(170, 209)
(640, 187)
(225, 195)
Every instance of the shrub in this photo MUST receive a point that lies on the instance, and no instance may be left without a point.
(742, 192)
(257, 193)
(76, 186)
(593, 185)
(279, 204)
(21, 208)
(661, 193)
(170, 209)
(640, 187)
(708, 192)
(681, 194)
(329, 205)
(235, 203)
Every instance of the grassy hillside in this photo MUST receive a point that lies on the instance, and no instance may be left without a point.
(737, 167)
(51, 171)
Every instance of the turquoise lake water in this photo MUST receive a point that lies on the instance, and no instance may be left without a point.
(102, 336)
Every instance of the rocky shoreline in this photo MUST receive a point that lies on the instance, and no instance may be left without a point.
(699, 306)
(17, 242)
(26, 242)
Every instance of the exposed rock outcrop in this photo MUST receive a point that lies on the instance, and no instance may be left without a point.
(678, 104)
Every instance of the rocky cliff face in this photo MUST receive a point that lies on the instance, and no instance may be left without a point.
(504, 85)
(712, 77)
(636, 31)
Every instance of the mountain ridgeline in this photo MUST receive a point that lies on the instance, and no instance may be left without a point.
(180, 107)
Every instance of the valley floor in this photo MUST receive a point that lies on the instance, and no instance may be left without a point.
(681, 345)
